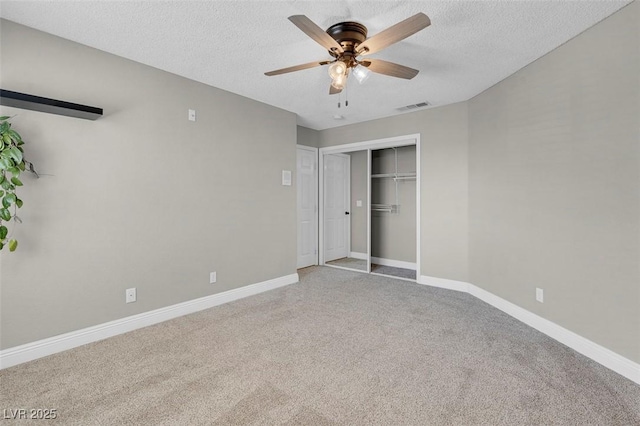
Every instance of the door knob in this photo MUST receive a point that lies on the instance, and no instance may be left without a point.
(346, 212)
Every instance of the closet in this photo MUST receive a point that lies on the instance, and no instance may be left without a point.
(375, 210)
(393, 211)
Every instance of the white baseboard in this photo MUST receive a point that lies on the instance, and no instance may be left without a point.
(443, 283)
(394, 263)
(38, 349)
(621, 365)
(357, 255)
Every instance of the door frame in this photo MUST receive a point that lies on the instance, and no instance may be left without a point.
(316, 218)
(396, 141)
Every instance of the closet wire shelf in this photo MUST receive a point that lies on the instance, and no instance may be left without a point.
(392, 208)
(388, 208)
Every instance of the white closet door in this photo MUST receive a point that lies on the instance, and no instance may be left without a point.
(307, 188)
(336, 206)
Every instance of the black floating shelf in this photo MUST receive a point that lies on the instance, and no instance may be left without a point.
(52, 106)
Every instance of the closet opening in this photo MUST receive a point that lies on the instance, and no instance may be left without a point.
(369, 207)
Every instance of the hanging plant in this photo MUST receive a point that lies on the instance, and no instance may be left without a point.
(12, 162)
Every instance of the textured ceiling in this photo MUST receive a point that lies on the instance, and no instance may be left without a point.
(470, 45)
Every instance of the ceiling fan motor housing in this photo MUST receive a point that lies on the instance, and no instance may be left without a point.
(349, 34)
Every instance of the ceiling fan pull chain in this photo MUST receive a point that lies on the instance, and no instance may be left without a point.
(346, 97)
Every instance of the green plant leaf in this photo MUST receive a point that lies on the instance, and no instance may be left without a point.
(5, 184)
(1, 177)
(1, 193)
(1, 245)
(5, 214)
(4, 118)
(19, 203)
(4, 127)
(14, 171)
(15, 154)
(11, 197)
(3, 232)
(22, 166)
(16, 181)
(6, 203)
(15, 135)
(5, 162)
(13, 245)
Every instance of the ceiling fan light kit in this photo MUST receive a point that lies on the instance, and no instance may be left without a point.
(361, 73)
(337, 69)
(346, 41)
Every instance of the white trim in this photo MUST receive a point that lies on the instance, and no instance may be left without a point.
(394, 263)
(38, 349)
(418, 205)
(606, 357)
(396, 141)
(443, 283)
(320, 208)
(358, 255)
(347, 194)
(368, 254)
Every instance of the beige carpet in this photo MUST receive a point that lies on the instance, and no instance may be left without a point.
(341, 347)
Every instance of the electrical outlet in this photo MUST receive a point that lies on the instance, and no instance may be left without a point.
(540, 295)
(130, 295)
(213, 277)
(192, 115)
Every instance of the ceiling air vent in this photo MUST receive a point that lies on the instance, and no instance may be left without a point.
(413, 106)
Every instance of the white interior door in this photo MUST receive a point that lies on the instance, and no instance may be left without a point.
(336, 206)
(307, 188)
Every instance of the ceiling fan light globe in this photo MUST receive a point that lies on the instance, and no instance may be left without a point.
(361, 73)
(339, 82)
(337, 69)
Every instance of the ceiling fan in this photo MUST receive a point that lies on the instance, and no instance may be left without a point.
(346, 41)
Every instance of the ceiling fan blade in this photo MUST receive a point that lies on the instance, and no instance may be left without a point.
(297, 68)
(315, 32)
(394, 34)
(333, 90)
(389, 68)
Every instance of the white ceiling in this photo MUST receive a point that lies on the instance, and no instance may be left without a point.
(470, 45)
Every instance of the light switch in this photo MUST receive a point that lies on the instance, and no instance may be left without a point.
(359, 203)
(192, 115)
(286, 177)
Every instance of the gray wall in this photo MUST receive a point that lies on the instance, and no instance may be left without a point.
(359, 177)
(308, 137)
(393, 235)
(141, 197)
(444, 183)
(554, 185)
